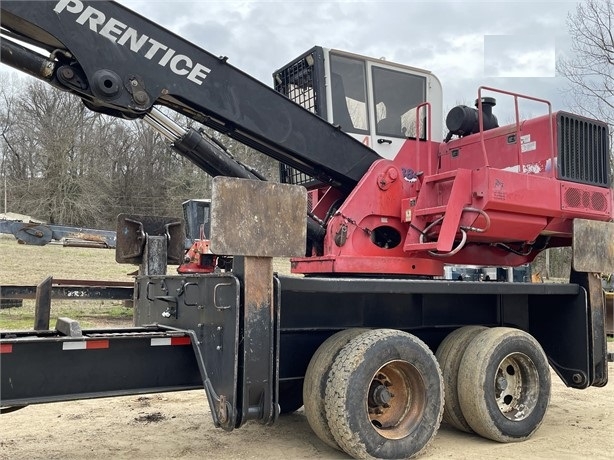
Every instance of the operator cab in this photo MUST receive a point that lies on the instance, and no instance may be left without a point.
(372, 100)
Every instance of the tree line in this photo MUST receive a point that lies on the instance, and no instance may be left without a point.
(65, 164)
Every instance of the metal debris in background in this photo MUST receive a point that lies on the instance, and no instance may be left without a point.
(39, 234)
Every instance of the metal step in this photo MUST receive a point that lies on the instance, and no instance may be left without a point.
(431, 211)
(441, 177)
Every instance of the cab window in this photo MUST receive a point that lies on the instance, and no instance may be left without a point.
(396, 96)
(349, 94)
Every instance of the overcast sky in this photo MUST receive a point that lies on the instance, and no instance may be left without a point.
(511, 45)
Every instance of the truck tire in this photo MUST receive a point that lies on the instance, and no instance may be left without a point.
(290, 396)
(504, 384)
(449, 355)
(315, 382)
(384, 396)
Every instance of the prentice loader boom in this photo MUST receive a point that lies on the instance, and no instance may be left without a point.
(122, 64)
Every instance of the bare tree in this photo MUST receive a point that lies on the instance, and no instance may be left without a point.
(7, 121)
(68, 165)
(50, 143)
(589, 68)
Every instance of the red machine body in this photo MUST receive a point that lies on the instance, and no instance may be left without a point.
(198, 259)
(495, 197)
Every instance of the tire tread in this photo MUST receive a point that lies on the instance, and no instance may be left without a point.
(348, 360)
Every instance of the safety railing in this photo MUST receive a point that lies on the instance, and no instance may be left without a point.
(516, 96)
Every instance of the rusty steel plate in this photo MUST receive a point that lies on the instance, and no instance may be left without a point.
(593, 246)
(256, 218)
(132, 232)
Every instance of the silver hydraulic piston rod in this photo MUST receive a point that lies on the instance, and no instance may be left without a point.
(196, 146)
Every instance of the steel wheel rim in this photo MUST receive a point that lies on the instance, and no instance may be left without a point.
(516, 385)
(396, 399)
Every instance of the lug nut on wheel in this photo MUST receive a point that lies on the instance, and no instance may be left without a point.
(381, 395)
(501, 383)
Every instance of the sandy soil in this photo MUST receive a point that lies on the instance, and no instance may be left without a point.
(579, 424)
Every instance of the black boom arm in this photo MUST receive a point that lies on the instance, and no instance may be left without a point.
(122, 64)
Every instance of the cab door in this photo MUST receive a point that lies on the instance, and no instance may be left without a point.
(395, 96)
(376, 102)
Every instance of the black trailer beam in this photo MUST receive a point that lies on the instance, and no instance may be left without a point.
(73, 290)
(100, 363)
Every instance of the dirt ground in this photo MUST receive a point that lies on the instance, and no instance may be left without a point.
(579, 424)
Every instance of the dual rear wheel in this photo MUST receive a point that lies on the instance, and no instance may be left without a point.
(497, 382)
(374, 393)
(504, 384)
(380, 393)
